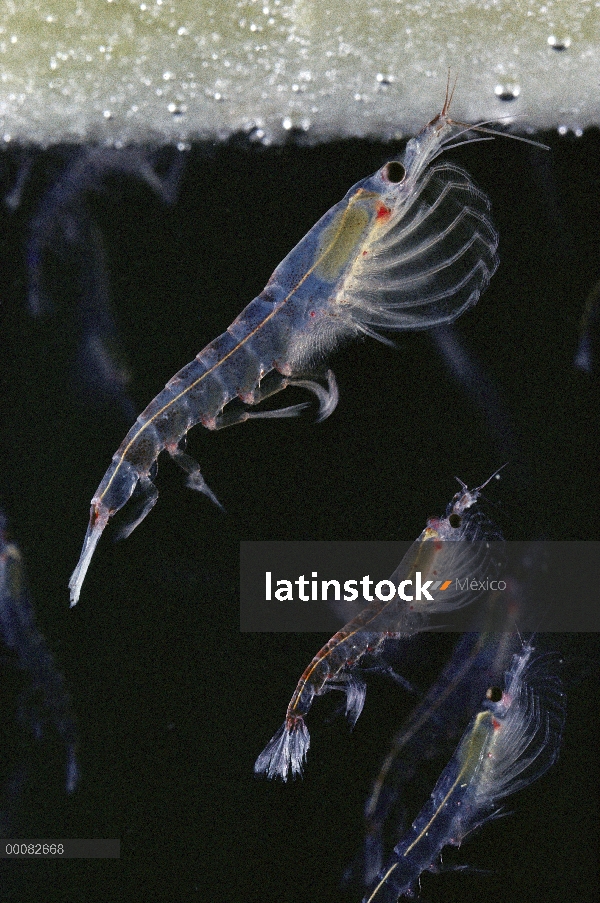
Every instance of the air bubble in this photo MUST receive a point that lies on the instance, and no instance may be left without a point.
(507, 92)
(559, 44)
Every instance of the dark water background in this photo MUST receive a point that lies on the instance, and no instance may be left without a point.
(173, 702)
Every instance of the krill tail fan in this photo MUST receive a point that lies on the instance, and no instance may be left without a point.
(285, 752)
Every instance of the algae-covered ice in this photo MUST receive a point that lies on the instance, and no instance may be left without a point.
(123, 71)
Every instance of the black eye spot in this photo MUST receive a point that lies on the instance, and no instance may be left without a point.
(455, 520)
(494, 694)
(394, 171)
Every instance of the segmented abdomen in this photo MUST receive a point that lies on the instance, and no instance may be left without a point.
(277, 330)
(230, 365)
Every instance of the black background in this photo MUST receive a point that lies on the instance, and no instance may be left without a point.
(173, 702)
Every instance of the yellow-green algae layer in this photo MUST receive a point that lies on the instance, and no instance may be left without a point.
(121, 71)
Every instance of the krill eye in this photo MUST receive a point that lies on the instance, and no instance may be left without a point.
(454, 520)
(494, 694)
(394, 171)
